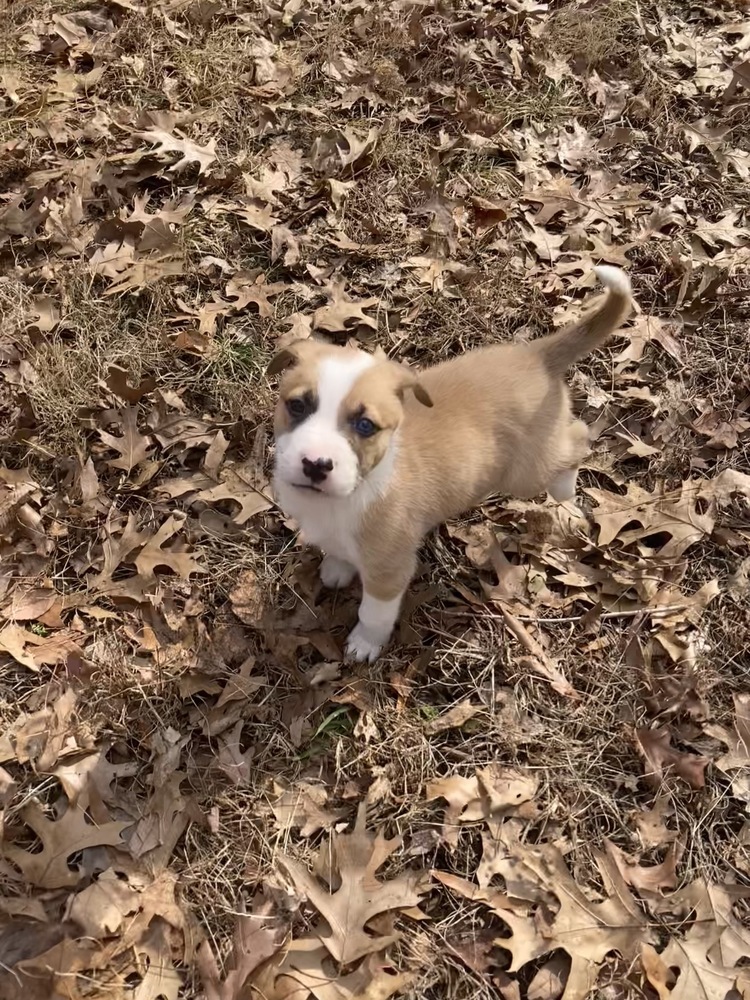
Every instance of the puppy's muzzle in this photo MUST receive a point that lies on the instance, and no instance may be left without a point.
(316, 471)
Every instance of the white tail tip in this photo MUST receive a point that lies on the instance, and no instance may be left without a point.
(614, 278)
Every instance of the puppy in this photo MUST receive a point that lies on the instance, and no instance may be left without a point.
(370, 455)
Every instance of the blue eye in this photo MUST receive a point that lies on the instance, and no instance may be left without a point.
(364, 427)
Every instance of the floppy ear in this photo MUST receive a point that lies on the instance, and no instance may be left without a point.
(288, 356)
(421, 394)
(408, 379)
(283, 360)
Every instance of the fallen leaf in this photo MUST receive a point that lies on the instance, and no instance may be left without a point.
(647, 878)
(342, 312)
(257, 937)
(736, 762)
(132, 447)
(302, 806)
(649, 330)
(454, 718)
(72, 833)
(662, 759)
(360, 897)
(188, 152)
(30, 604)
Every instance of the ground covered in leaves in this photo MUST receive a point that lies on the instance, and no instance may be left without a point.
(542, 789)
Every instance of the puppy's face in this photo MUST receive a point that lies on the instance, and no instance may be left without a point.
(337, 412)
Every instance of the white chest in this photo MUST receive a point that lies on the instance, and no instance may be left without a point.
(329, 523)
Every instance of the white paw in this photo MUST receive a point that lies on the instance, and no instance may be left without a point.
(336, 572)
(362, 645)
(564, 486)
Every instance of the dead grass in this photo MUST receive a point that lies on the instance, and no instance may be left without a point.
(455, 122)
(604, 38)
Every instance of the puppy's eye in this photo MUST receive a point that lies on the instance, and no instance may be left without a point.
(364, 427)
(296, 407)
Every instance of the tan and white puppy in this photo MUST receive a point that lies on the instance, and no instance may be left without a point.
(370, 455)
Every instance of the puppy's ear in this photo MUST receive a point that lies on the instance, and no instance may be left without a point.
(288, 356)
(421, 394)
(282, 361)
(407, 378)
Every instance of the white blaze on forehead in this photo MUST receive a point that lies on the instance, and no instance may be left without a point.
(320, 437)
(336, 377)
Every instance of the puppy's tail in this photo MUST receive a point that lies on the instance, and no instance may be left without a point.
(562, 349)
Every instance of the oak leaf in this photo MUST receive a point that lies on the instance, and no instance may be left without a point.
(257, 937)
(302, 806)
(654, 744)
(132, 446)
(72, 833)
(341, 311)
(706, 957)
(188, 151)
(359, 896)
(154, 554)
(736, 762)
(648, 330)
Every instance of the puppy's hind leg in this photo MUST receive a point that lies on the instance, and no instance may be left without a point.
(563, 486)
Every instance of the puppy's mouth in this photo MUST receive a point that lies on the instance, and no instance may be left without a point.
(307, 486)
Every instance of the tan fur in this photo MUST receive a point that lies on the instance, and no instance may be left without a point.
(377, 394)
(500, 422)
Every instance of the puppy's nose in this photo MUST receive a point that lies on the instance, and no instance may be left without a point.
(316, 471)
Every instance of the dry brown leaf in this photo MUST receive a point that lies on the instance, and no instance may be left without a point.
(117, 381)
(587, 931)
(154, 554)
(49, 868)
(460, 793)
(647, 878)
(674, 514)
(494, 791)
(736, 762)
(188, 152)
(307, 971)
(252, 499)
(360, 897)
(649, 330)
(454, 718)
(652, 829)
(300, 328)
(705, 956)
(35, 651)
(432, 271)
(257, 937)
(342, 312)
(538, 660)
(302, 806)
(663, 760)
(101, 907)
(248, 598)
(249, 288)
(29, 604)
(723, 232)
(132, 447)
(721, 431)
(342, 152)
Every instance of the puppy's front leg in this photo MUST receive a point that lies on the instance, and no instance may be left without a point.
(373, 630)
(383, 589)
(335, 572)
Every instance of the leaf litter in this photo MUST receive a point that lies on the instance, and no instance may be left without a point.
(542, 791)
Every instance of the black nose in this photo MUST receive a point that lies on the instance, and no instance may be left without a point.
(317, 471)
